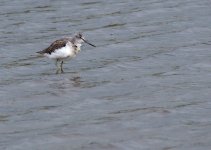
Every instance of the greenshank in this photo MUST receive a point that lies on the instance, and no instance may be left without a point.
(64, 49)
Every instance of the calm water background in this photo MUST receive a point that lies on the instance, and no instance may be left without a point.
(147, 85)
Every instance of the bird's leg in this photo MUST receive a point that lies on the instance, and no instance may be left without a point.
(56, 63)
(57, 66)
(62, 71)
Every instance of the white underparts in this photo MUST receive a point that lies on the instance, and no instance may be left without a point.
(62, 53)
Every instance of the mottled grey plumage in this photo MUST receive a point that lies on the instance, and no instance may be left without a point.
(55, 45)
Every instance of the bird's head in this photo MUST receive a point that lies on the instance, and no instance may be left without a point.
(79, 38)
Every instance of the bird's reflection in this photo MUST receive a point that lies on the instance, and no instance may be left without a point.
(76, 81)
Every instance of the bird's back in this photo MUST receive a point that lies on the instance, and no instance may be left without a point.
(55, 46)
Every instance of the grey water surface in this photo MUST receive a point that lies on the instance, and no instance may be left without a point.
(146, 86)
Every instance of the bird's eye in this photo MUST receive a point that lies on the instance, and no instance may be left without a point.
(80, 35)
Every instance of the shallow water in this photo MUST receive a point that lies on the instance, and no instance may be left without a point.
(145, 86)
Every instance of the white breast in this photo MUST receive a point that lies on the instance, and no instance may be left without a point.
(62, 53)
(78, 49)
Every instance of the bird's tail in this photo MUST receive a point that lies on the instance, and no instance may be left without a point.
(40, 52)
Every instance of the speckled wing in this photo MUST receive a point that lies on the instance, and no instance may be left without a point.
(54, 46)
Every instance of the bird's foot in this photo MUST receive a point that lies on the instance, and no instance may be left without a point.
(62, 71)
(59, 70)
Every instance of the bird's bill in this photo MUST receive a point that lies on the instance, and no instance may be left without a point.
(88, 42)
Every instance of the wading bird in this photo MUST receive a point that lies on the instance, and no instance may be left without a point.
(64, 49)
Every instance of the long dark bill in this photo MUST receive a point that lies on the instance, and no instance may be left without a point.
(88, 42)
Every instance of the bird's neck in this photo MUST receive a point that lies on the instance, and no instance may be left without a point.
(77, 42)
(78, 47)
